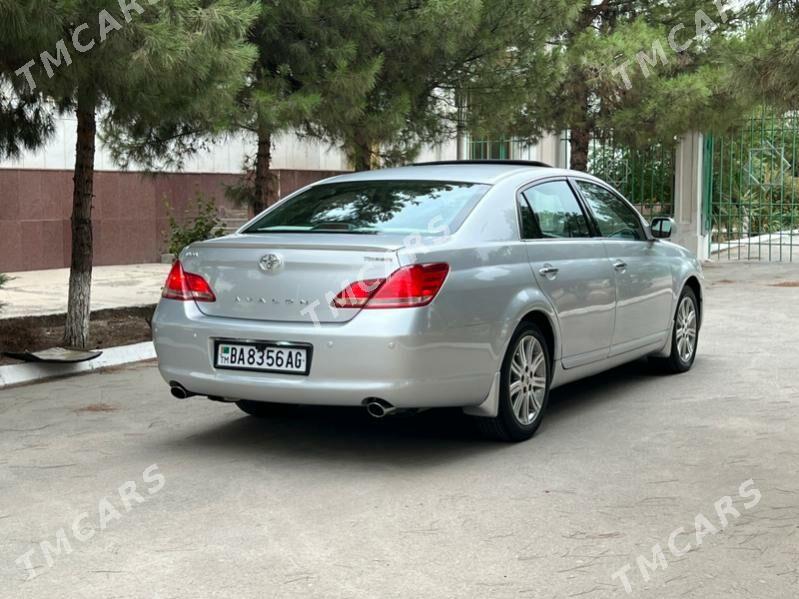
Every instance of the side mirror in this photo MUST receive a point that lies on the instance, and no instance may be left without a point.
(663, 227)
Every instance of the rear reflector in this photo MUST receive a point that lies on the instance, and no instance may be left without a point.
(185, 286)
(409, 287)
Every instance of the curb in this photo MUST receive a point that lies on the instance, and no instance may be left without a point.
(22, 374)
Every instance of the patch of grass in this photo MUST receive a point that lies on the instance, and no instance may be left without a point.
(786, 284)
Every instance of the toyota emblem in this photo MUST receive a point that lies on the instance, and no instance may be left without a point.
(270, 263)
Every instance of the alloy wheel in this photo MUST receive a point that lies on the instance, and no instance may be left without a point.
(686, 329)
(528, 380)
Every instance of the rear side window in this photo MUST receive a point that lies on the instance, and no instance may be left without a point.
(556, 212)
(527, 220)
(375, 207)
(614, 217)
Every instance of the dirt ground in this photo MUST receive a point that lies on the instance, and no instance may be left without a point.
(109, 328)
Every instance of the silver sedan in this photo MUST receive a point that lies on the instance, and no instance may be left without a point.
(476, 285)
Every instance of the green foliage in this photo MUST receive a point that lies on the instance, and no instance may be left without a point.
(766, 60)
(755, 177)
(194, 62)
(308, 67)
(205, 224)
(311, 65)
(433, 53)
(25, 123)
(584, 85)
(643, 176)
(178, 57)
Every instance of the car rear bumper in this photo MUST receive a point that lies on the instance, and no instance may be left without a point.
(392, 355)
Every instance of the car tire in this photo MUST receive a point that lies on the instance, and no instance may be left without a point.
(514, 421)
(262, 409)
(686, 324)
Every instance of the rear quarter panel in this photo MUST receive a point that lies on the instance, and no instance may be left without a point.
(491, 286)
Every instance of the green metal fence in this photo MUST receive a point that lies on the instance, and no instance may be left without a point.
(751, 189)
(491, 149)
(644, 176)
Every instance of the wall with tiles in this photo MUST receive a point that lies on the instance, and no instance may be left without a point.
(129, 213)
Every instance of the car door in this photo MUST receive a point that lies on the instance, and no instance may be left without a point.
(571, 268)
(643, 277)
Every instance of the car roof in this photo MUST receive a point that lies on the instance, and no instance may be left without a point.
(467, 171)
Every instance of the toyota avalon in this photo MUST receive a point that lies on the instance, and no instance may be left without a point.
(476, 285)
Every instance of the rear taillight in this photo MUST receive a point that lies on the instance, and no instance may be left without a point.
(357, 294)
(185, 286)
(409, 287)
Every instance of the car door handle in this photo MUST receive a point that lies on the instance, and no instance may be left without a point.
(620, 265)
(549, 271)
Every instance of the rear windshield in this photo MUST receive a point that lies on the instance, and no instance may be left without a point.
(375, 207)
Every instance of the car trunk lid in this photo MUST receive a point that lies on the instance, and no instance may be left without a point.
(288, 277)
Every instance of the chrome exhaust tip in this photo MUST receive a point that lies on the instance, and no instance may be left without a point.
(178, 391)
(379, 408)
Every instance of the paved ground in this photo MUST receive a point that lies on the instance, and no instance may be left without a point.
(330, 504)
(42, 292)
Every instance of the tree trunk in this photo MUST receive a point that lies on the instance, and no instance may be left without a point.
(264, 192)
(76, 332)
(460, 126)
(579, 140)
(580, 131)
(362, 154)
(362, 161)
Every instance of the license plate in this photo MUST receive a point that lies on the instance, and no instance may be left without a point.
(263, 357)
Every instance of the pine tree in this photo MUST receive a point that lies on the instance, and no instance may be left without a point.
(642, 70)
(435, 53)
(310, 68)
(766, 60)
(25, 121)
(126, 64)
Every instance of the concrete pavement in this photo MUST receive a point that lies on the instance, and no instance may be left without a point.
(326, 503)
(41, 292)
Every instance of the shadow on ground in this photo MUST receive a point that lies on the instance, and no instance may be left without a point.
(428, 438)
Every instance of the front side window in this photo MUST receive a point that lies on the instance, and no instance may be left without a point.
(375, 207)
(614, 218)
(556, 211)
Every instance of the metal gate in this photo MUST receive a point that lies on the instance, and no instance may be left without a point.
(751, 189)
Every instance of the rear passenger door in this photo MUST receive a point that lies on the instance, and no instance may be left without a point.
(571, 268)
(643, 277)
